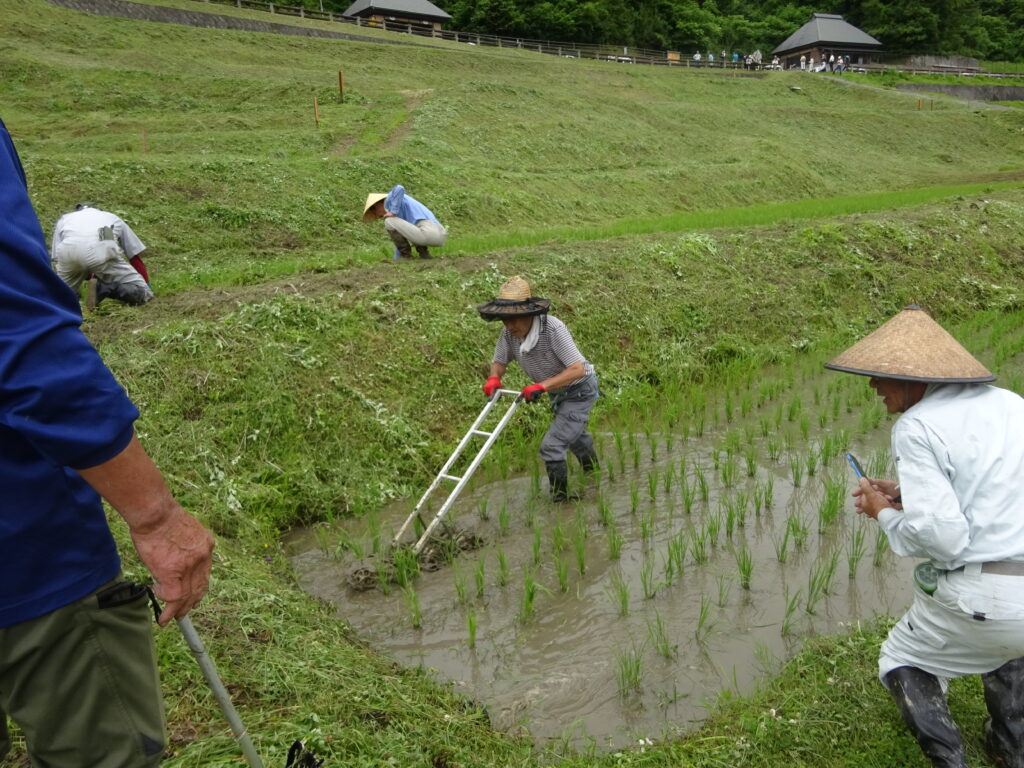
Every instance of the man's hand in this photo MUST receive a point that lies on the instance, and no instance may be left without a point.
(492, 385)
(870, 500)
(178, 552)
(533, 392)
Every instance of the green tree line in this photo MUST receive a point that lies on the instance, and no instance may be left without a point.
(987, 29)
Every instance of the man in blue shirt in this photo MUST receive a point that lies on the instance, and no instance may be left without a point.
(408, 222)
(77, 661)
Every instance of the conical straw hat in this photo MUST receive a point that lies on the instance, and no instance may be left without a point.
(912, 347)
(514, 300)
(372, 199)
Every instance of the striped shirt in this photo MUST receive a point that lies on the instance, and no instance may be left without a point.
(555, 351)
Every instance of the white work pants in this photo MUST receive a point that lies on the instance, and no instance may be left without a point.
(424, 232)
(974, 623)
(77, 258)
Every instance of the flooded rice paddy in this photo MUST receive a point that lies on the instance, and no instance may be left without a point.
(718, 534)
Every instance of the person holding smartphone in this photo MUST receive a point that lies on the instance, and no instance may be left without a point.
(958, 445)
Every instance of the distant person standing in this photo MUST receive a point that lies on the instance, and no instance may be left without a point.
(407, 221)
(696, 59)
(546, 352)
(725, 59)
(803, 61)
(735, 59)
(711, 60)
(89, 241)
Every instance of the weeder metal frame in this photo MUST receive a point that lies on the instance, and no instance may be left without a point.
(459, 481)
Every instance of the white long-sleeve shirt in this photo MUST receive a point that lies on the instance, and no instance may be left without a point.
(84, 226)
(959, 455)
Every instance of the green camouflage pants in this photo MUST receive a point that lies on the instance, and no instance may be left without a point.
(82, 683)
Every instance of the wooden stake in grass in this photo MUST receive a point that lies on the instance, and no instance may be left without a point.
(316, 112)
(341, 88)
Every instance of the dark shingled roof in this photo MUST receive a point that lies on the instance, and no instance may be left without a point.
(829, 29)
(414, 8)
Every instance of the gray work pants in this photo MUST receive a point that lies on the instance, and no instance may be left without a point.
(423, 233)
(568, 430)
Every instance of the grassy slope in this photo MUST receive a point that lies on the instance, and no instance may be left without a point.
(295, 400)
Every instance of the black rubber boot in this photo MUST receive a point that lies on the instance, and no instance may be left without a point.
(558, 477)
(423, 251)
(923, 705)
(1004, 697)
(404, 246)
(588, 461)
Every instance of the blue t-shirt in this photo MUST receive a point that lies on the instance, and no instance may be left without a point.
(60, 407)
(407, 207)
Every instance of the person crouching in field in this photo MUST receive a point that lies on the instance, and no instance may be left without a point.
(958, 447)
(407, 221)
(545, 350)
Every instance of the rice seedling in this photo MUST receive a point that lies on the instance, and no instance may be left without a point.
(629, 670)
(579, 548)
(779, 413)
(794, 408)
(831, 504)
(636, 456)
(647, 583)
(816, 583)
(822, 419)
(530, 518)
(373, 526)
(471, 627)
(652, 444)
(407, 567)
(618, 591)
(805, 427)
(716, 459)
(562, 572)
(792, 601)
(881, 547)
(745, 564)
(666, 478)
(799, 529)
(659, 639)
(478, 577)
(729, 470)
(676, 553)
(757, 497)
(712, 526)
(412, 604)
(728, 407)
(652, 484)
(702, 483)
(811, 463)
(699, 547)
(534, 478)
(855, 550)
(460, 585)
(699, 426)
(831, 564)
(730, 520)
(647, 525)
(769, 492)
(482, 509)
(765, 425)
(796, 470)
(704, 624)
(878, 464)
(750, 457)
(502, 569)
(536, 546)
(746, 404)
(617, 437)
(557, 538)
(689, 493)
(724, 589)
(503, 519)
(774, 448)
(614, 543)
(322, 536)
(634, 498)
(782, 545)
(530, 587)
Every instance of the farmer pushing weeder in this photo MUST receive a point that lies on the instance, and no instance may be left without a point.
(547, 353)
(959, 451)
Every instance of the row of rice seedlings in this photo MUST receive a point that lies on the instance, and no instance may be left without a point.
(629, 669)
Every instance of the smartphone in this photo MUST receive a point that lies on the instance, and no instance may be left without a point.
(857, 469)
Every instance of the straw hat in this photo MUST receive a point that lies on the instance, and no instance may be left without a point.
(514, 300)
(371, 200)
(911, 347)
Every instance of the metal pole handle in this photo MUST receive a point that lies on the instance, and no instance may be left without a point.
(219, 692)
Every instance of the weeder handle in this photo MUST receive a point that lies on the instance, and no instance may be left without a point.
(219, 692)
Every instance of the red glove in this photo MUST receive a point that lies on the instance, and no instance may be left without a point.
(492, 385)
(533, 392)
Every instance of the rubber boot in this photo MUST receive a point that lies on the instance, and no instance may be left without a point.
(423, 251)
(91, 299)
(588, 461)
(923, 706)
(1004, 697)
(401, 244)
(558, 477)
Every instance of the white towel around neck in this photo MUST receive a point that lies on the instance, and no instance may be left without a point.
(531, 338)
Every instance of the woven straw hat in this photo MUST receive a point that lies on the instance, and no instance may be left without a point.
(372, 199)
(514, 300)
(911, 347)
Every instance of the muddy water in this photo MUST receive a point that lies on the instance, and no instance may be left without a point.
(578, 666)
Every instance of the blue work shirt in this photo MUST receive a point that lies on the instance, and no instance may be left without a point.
(406, 206)
(60, 407)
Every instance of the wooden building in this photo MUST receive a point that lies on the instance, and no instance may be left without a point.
(826, 34)
(417, 13)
